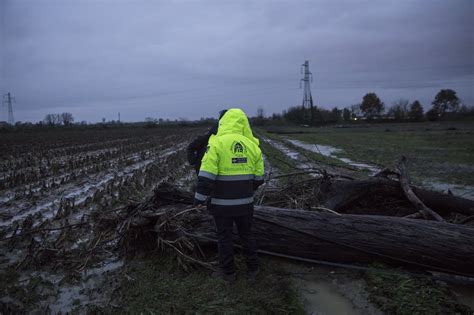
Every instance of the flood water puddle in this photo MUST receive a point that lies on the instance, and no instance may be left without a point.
(463, 191)
(321, 298)
(287, 151)
(324, 292)
(300, 160)
(71, 295)
(331, 152)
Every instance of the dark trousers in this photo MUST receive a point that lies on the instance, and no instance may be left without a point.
(224, 226)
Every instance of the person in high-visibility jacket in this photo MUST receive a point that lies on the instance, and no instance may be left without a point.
(231, 170)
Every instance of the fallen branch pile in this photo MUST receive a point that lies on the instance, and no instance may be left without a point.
(379, 195)
(166, 220)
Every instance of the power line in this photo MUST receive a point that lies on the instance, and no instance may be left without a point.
(214, 96)
(417, 69)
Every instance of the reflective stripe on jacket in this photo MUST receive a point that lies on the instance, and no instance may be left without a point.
(232, 167)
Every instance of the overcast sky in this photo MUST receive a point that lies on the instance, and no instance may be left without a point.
(189, 59)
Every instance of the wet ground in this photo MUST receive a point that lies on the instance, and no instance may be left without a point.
(332, 152)
(327, 291)
(61, 284)
(322, 290)
(464, 191)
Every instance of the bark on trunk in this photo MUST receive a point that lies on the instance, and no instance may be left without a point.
(429, 245)
(363, 238)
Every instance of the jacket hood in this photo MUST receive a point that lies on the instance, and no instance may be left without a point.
(235, 121)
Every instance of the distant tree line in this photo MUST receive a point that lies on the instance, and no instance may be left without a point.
(64, 119)
(446, 105)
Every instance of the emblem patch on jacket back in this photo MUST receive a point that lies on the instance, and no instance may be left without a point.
(238, 149)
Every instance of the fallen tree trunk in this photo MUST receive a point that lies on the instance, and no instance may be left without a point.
(424, 244)
(342, 193)
(444, 203)
(360, 238)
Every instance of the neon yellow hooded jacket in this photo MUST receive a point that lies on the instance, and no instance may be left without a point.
(232, 167)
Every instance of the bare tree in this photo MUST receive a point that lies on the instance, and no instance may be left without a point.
(399, 109)
(260, 119)
(336, 114)
(57, 119)
(67, 119)
(355, 111)
(346, 114)
(151, 120)
(49, 119)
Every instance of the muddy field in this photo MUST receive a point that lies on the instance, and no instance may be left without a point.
(54, 181)
(55, 255)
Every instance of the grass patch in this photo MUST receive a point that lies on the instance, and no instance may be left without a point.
(156, 286)
(442, 152)
(405, 295)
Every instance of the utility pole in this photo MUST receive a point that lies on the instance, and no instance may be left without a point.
(8, 100)
(119, 117)
(307, 98)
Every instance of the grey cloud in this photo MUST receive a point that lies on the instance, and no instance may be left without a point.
(191, 58)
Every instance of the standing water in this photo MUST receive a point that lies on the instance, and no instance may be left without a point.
(331, 152)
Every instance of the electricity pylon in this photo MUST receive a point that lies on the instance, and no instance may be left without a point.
(307, 79)
(8, 101)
